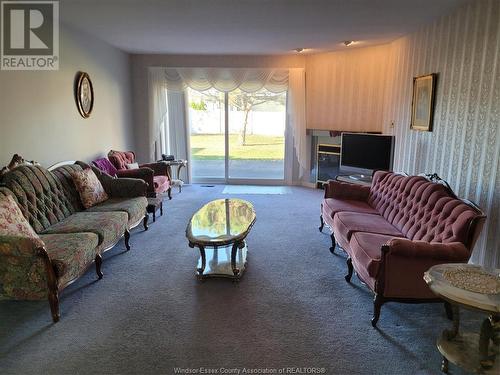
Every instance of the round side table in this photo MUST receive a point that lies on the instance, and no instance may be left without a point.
(473, 352)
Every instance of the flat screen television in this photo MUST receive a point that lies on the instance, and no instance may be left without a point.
(362, 153)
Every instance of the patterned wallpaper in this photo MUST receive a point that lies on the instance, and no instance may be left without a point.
(464, 147)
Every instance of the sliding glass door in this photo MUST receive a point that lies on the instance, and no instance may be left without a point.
(256, 135)
(237, 136)
(207, 134)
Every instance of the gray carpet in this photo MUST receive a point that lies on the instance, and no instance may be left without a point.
(292, 309)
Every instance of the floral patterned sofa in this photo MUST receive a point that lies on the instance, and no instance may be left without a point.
(74, 238)
(396, 229)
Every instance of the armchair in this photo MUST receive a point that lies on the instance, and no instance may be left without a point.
(157, 175)
(144, 174)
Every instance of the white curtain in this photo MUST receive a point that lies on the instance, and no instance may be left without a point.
(158, 111)
(296, 118)
(177, 129)
(226, 79)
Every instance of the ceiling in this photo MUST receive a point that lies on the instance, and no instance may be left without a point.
(248, 26)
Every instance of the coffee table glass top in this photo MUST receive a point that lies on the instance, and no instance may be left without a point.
(221, 222)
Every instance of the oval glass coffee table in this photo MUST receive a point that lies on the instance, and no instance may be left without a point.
(219, 230)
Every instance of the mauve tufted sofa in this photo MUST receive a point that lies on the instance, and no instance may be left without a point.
(396, 229)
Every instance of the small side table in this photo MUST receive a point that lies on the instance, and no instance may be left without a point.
(155, 204)
(180, 163)
(473, 352)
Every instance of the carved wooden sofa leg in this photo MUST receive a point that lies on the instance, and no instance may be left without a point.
(332, 248)
(378, 301)
(322, 223)
(350, 269)
(169, 191)
(98, 264)
(145, 222)
(54, 305)
(127, 239)
(53, 291)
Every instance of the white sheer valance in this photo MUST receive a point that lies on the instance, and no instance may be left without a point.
(225, 79)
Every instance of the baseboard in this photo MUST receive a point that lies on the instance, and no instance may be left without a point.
(306, 184)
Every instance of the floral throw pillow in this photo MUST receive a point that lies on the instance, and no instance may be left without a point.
(89, 187)
(13, 223)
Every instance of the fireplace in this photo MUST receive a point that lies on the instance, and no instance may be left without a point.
(328, 163)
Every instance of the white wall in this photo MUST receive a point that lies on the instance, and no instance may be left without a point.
(38, 115)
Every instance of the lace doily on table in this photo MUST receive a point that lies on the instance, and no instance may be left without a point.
(474, 280)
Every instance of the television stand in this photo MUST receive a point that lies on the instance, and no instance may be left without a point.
(360, 179)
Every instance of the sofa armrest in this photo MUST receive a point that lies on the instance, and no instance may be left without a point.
(26, 270)
(18, 247)
(344, 190)
(159, 168)
(127, 188)
(142, 173)
(404, 262)
(122, 187)
(452, 251)
(145, 174)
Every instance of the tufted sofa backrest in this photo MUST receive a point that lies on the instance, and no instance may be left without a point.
(4, 191)
(40, 195)
(63, 174)
(420, 209)
(120, 159)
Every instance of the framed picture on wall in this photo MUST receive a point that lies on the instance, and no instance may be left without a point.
(422, 109)
(84, 94)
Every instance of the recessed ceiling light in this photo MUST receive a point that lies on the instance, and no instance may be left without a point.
(347, 43)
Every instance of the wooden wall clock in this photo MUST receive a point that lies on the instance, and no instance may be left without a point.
(84, 94)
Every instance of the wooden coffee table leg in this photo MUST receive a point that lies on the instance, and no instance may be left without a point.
(203, 261)
(234, 251)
